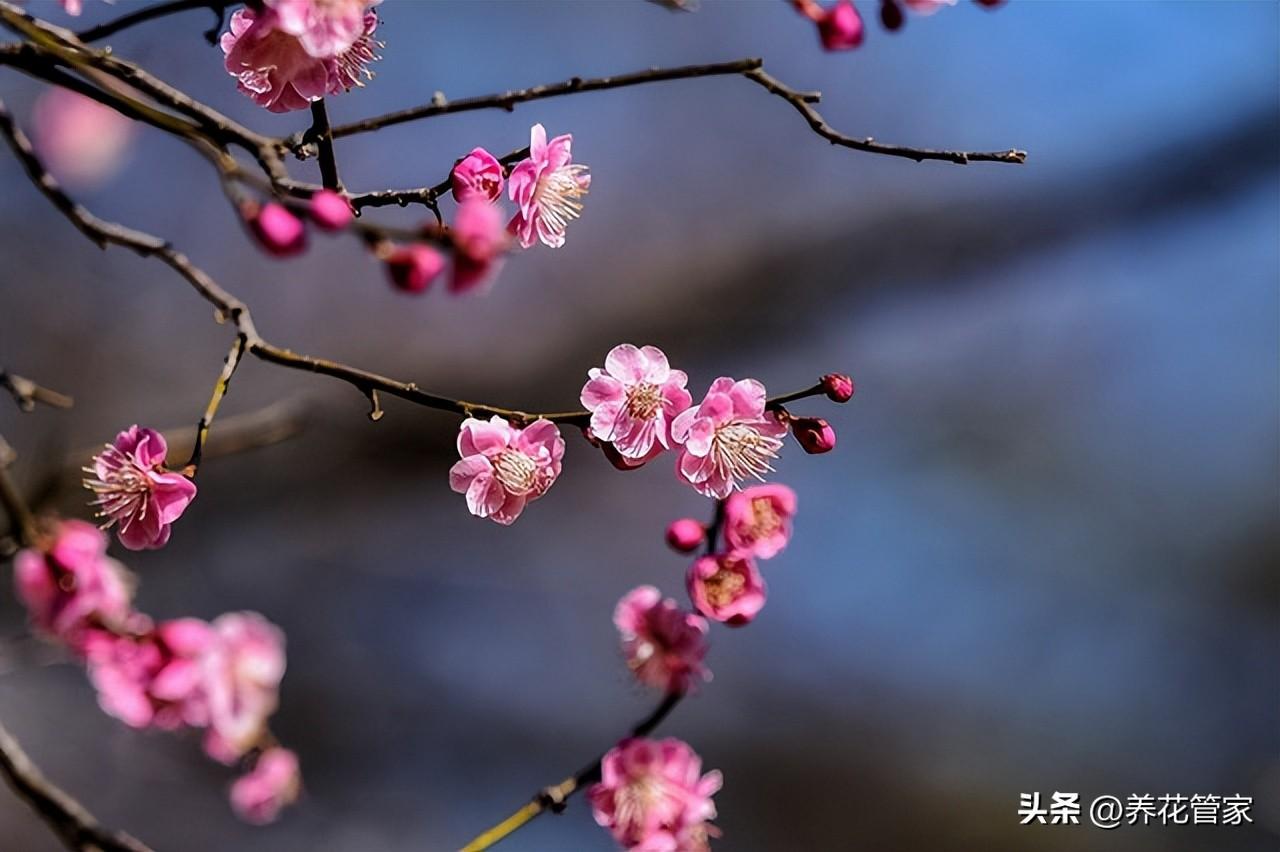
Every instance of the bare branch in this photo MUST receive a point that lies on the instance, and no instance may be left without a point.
(150, 13)
(324, 136)
(27, 393)
(220, 387)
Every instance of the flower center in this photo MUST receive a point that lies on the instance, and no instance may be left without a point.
(633, 800)
(516, 472)
(644, 400)
(558, 193)
(740, 451)
(121, 488)
(764, 518)
(724, 587)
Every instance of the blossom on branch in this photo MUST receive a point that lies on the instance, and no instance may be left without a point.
(727, 587)
(135, 491)
(479, 241)
(274, 782)
(503, 468)
(653, 797)
(479, 174)
(728, 437)
(152, 678)
(547, 188)
(663, 644)
(634, 400)
(276, 71)
(241, 673)
(325, 28)
(757, 520)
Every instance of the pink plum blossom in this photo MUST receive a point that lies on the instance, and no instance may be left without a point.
(278, 231)
(758, 519)
(686, 535)
(727, 438)
(634, 400)
(325, 28)
(73, 588)
(82, 142)
(727, 587)
(664, 645)
(652, 796)
(72, 7)
(840, 26)
(477, 175)
(330, 210)
(838, 387)
(154, 678)
(503, 468)
(135, 491)
(814, 434)
(241, 675)
(274, 783)
(412, 268)
(547, 188)
(275, 70)
(479, 241)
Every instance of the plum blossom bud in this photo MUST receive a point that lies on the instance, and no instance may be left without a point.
(663, 644)
(330, 211)
(838, 387)
(891, 15)
(278, 231)
(727, 587)
(685, 535)
(479, 240)
(758, 519)
(814, 434)
(477, 175)
(274, 782)
(840, 26)
(413, 267)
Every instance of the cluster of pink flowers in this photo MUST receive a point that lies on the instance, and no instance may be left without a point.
(840, 26)
(136, 493)
(285, 54)
(222, 677)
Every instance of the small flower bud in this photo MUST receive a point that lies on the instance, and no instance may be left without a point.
(278, 231)
(814, 434)
(330, 211)
(891, 15)
(686, 535)
(413, 267)
(840, 27)
(838, 387)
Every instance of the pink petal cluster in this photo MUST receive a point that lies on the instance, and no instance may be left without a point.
(242, 670)
(477, 175)
(479, 241)
(547, 188)
(663, 644)
(324, 28)
(152, 678)
(757, 520)
(274, 783)
(135, 492)
(727, 587)
(634, 400)
(73, 588)
(729, 437)
(653, 797)
(503, 467)
(275, 69)
(82, 142)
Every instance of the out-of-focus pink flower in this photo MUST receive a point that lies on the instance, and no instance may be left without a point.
(663, 644)
(279, 232)
(927, 7)
(652, 795)
(547, 188)
(241, 675)
(838, 387)
(477, 175)
(82, 142)
(727, 587)
(634, 399)
(330, 210)
(325, 28)
(73, 587)
(814, 434)
(840, 26)
(274, 783)
(135, 491)
(503, 468)
(153, 678)
(72, 7)
(479, 241)
(413, 267)
(727, 438)
(686, 535)
(758, 519)
(122, 669)
(274, 68)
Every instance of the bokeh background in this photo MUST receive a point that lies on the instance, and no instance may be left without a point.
(1043, 556)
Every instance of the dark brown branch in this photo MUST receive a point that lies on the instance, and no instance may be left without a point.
(74, 825)
(750, 68)
(323, 135)
(150, 13)
(27, 393)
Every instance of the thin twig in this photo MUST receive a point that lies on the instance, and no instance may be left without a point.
(220, 387)
(27, 393)
(75, 826)
(22, 523)
(150, 13)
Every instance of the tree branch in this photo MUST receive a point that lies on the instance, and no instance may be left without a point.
(324, 136)
(27, 393)
(110, 28)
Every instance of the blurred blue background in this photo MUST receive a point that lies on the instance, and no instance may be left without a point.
(1043, 556)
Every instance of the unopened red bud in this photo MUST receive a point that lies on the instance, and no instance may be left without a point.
(330, 211)
(278, 231)
(838, 387)
(840, 26)
(686, 535)
(412, 268)
(891, 15)
(814, 434)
